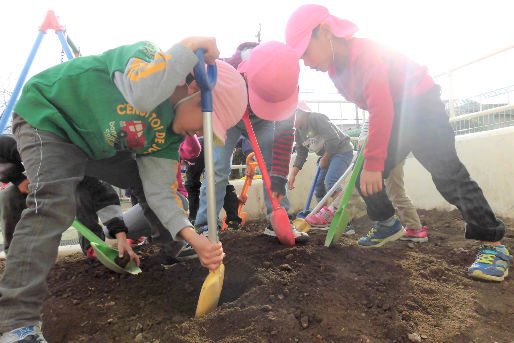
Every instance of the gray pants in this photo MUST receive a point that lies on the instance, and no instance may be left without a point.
(12, 203)
(54, 167)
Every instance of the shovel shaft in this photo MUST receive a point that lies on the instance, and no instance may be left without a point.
(209, 174)
(90, 236)
(206, 82)
(311, 192)
(247, 184)
(260, 160)
(331, 191)
(349, 189)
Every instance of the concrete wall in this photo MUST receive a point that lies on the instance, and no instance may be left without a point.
(488, 156)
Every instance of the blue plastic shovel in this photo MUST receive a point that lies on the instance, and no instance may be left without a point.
(306, 210)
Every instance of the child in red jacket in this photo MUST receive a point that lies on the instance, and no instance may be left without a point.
(406, 115)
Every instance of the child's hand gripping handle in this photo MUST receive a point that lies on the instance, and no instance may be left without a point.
(205, 80)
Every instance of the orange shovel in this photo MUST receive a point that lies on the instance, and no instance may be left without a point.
(243, 197)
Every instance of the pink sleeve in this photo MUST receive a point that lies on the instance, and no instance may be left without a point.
(373, 74)
(190, 148)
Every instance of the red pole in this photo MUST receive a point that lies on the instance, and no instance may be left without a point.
(50, 22)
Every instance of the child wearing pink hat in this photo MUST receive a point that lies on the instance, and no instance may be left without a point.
(188, 150)
(316, 133)
(406, 115)
(119, 116)
(271, 71)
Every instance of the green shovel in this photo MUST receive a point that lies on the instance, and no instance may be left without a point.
(340, 220)
(105, 254)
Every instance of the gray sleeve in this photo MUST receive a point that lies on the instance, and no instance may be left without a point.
(364, 130)
(159, 179)
(146, 92)
(301, 151)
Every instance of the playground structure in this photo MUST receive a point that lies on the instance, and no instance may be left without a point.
(50, 22)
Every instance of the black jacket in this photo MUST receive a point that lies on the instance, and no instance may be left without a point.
(11, 168)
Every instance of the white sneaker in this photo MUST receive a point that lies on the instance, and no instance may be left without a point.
(27, 334)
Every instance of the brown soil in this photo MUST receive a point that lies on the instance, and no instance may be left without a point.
(273, 293)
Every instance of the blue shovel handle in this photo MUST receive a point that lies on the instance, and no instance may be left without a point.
(311, 191)
(205, 80)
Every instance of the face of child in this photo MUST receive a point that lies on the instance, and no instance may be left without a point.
(189, 117)
(318, 55)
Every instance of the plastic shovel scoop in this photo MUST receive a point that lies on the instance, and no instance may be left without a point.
(211, 288)
(279, 219)
(338, 225)
(243, 197)
(106, 255)
(301, 224)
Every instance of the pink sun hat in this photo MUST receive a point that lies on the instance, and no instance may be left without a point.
(272, 72)
(306, 18)
(229, 100)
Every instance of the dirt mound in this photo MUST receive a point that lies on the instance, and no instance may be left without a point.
(403, 292)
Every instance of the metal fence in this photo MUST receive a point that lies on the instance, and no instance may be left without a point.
(487, 110)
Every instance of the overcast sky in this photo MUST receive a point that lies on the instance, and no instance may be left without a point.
(439, 34)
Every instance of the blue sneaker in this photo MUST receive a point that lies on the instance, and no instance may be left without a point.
(492, 263)
(27, 334)
(204, 229)
(380, 234)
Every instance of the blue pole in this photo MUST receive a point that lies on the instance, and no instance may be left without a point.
(64, 44)
(8, 110)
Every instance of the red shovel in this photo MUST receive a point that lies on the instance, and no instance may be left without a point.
(279, 219)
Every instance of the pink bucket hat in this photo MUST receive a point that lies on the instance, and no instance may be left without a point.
(306, 18)
(229, 100)
(272, 71)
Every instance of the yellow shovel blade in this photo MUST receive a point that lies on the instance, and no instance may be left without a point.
(211, 291)
(301, 225)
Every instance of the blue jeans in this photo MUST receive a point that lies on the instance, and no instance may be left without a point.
(329, 176)
(264, 131)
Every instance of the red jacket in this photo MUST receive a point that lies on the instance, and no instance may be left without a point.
(375, 78)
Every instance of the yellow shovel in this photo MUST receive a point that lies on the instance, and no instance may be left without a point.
(211, 288)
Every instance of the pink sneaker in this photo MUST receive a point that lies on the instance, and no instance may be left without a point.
(322, 218)
(91, 252)
(415, 236)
